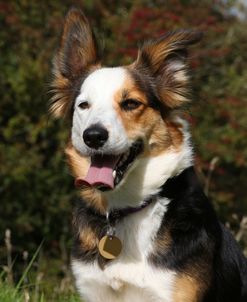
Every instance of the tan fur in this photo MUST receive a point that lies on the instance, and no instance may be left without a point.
(190, 286)
(82, 43)
(76, 58)
(165, 135)
(164, 61)
(160, 133)
(94, 198)
(163, 242)
(187, 289)
(157, 51)
(88, 239)
(79, 166)
(161, 64)
(61, 102)
(140, 120)
(175, 133)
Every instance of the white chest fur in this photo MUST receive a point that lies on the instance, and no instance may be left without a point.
(130, 277)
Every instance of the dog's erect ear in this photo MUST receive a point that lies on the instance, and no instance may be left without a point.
(76, 56)
(78, 48)
(165, 61)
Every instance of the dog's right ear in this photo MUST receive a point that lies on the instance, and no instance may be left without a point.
(77, 54)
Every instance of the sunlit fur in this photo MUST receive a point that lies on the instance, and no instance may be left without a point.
(167, 151)
(98, 90)
(79, 77)
(129, 277)
(76, 57)
(150, 267)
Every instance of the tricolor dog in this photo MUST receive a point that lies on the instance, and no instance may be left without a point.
(143, 229)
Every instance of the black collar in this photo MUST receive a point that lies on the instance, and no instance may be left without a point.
(173, 188)
(118, 214)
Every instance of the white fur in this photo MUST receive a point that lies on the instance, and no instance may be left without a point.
(98, 90)
(147, 175)
(130, 277)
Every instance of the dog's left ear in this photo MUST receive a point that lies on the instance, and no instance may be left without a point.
(78, 53)
(165, 62)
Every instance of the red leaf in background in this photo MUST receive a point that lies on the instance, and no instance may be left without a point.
(144, 13)
(11, 19)
(240, 160)
(212, 147)
(131, 52)
(191, 119)
(194, 63)
(220, 52)
(224, 114)
(5, 7)
(220, 171)
(161, 32)
(226, 140)
(235, 125)
(173, 17)
(234, 101)
(210, 20)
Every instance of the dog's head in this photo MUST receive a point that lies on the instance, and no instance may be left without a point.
(123, 114)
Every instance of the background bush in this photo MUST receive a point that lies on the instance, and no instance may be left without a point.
(35, 187)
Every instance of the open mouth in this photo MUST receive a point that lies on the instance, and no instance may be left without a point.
(106, 171)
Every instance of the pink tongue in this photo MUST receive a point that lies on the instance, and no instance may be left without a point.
(100, 172)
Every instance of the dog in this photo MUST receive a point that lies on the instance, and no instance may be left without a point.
(144, 230)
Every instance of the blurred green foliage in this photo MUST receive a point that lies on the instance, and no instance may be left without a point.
(35, 187)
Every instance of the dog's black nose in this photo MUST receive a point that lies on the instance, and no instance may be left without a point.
(95, 136)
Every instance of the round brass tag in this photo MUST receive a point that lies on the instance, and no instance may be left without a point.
(110, 247)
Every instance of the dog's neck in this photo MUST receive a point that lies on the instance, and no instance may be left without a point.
(184, 181)
(149, 174)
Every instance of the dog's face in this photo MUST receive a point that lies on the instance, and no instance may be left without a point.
(121, 114)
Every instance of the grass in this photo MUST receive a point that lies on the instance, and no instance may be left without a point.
(36, 289)
(39, 281)
(8, 293)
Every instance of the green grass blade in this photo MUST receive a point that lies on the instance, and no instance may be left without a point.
(28, 267)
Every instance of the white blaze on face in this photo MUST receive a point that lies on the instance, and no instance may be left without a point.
(98, 90)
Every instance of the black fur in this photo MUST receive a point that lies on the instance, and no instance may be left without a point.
(200, 245)
(84, 215)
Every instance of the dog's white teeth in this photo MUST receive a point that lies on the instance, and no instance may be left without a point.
(114, 173)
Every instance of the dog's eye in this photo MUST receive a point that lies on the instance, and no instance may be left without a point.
(84, 105)
(130, 104)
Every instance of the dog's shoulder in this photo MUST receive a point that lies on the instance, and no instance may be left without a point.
(200, 245)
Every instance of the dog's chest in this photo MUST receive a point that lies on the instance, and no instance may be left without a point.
(123, 282)
(130, 277)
